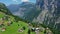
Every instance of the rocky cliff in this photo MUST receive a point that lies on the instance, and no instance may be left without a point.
(50, 13)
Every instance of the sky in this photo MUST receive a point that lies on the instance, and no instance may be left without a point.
(8, 2)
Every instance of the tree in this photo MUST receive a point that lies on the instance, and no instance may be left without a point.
(45, 31)
(24, 28)
(29, 31)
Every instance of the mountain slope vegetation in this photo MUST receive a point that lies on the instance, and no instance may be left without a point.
(25, 10)
(8, 23)
(11, 24)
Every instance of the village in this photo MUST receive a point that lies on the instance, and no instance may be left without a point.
(7, 21)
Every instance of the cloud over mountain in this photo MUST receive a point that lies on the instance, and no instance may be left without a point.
(24, 0)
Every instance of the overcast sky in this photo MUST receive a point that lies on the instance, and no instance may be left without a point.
(8, 2)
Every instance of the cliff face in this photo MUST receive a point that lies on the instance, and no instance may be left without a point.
(50, 13)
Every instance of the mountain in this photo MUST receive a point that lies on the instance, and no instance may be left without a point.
(50, 14)
(4, 9)
(25, 10)
(10, 24)
(46, 12)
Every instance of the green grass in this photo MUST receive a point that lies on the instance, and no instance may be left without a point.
(1, 15)
(33, 33)
(41, 33)
(13, 28)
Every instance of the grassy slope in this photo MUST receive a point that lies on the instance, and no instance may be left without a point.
(13, 28)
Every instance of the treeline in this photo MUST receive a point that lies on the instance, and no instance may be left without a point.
(10, 14)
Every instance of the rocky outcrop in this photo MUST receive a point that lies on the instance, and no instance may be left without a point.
(50, 13)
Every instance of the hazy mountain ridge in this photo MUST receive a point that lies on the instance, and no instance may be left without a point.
(25, 10)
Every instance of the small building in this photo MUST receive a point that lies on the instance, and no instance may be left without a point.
(3, 29)
(32, 29)
(20, 30)
(47, 28)
(9, 23)
(37, 29)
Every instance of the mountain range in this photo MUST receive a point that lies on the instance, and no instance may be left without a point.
(46, 12)
(25, 10)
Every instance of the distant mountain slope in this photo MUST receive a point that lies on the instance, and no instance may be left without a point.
(6, 11)
(20, 9)
(25, 10)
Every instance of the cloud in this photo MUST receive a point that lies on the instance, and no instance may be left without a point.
(15, 0)
(20, 0)
(24, 0)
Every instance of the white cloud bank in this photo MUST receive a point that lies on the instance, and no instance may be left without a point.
(24, 0)
(21, 0)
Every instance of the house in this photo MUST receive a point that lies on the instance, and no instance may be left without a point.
(3, 29)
